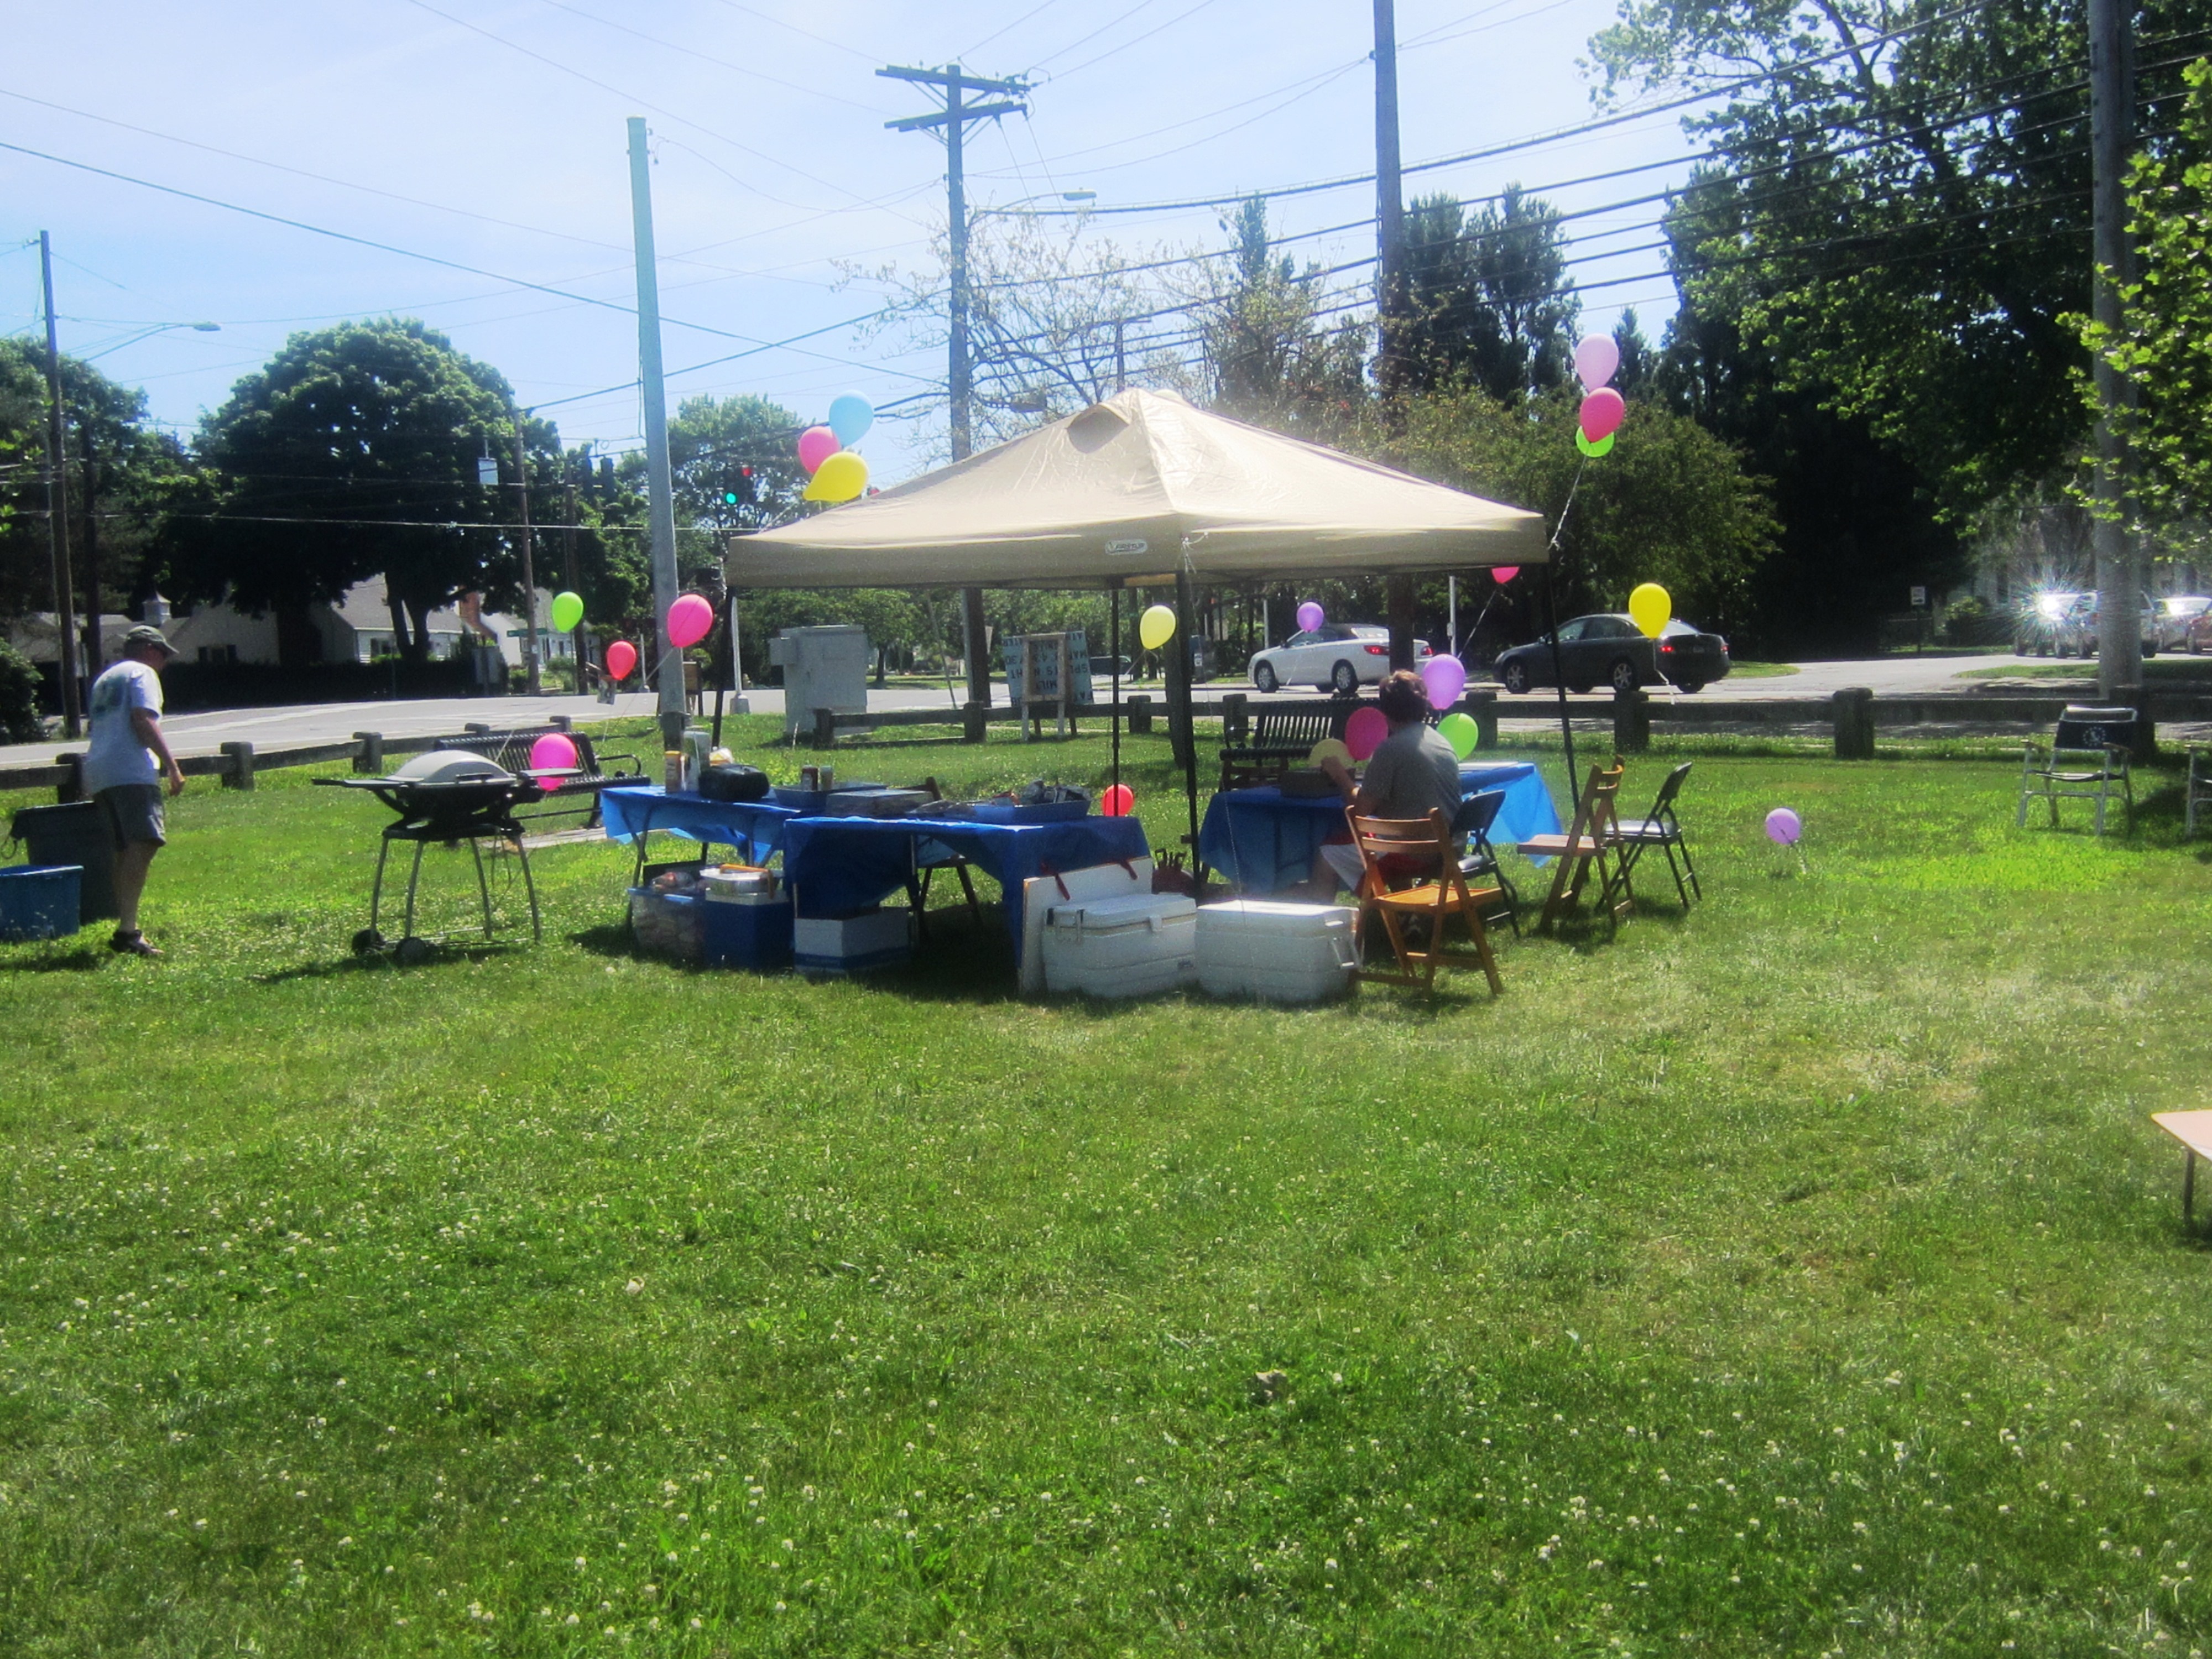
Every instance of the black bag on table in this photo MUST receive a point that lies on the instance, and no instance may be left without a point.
(733, 783)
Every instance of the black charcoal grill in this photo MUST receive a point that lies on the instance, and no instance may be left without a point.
(447, 798)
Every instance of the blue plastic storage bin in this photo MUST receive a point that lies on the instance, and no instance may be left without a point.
(38, 901)
(743, 934)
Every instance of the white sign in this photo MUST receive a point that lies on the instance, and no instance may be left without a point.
(1919, 598)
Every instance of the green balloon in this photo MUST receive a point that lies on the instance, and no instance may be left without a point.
(1597, 451)
(567, 611)
(1461, 732)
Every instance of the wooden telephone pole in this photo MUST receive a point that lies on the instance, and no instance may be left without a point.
(57, 509)
(2119, 581)
(954, 117)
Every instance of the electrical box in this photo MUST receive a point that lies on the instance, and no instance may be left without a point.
(823, 668)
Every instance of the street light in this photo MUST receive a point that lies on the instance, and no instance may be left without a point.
(148, 334)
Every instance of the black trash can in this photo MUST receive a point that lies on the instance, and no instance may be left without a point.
(77, 832)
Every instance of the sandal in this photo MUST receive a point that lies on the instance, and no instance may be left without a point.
(133, 944)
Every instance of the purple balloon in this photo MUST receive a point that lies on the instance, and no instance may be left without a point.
(1310, 617)
(1445, 678)
(1597, 358)
(1784, 826)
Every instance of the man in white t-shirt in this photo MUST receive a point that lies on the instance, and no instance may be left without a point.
(125, 766)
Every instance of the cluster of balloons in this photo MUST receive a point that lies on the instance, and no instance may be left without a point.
(690, 619)
(1596, 359)
(826, 451)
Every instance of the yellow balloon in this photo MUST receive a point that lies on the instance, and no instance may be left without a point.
(1155, 628)
(1329, 749)
(1650, 609)
(839, 478)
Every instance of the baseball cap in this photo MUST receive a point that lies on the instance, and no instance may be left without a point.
(147, 633)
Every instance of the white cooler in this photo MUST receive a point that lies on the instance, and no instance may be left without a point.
(850, 944)
(1135, 946)
(1276, 953)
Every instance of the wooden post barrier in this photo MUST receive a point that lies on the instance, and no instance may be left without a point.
(825, 728)
(1235, 721)
(1854, 721)
(71, 787)
(1631, 720)
(370, 764)
(1141, 717)
(975, 720)
(1482, 708)
(238, 771)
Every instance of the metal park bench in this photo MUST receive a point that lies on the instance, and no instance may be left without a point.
(577, 797)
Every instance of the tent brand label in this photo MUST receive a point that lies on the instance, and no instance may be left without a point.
(1129, 545)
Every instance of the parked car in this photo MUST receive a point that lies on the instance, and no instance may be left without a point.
(1610, 650)
(1340, 656)
(2076, 635)
(2176, 614)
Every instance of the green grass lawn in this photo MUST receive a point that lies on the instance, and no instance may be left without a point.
(1797, 1276)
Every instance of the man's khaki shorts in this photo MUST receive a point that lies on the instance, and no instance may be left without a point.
(134, 813)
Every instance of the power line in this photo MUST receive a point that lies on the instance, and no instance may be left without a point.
(709, 58)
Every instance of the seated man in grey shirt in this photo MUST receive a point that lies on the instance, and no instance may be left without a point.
(1412, 770)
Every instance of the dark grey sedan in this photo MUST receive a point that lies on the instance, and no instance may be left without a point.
(1611, 651)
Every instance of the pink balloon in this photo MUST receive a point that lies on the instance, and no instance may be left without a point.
(553, 752)
(1505, 573)
(1602, 412)
(816, 445)
(688, 620)
(1364, 732)
(622, 657)
(1445, 678)
(1596, 359)
(1310, 617)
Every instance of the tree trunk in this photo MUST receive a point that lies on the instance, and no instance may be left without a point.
(401, 637)
(419, 613)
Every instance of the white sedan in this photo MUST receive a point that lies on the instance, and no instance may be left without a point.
(1341, 657)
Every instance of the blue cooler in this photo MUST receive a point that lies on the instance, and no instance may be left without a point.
(38, 901)
(747, 931)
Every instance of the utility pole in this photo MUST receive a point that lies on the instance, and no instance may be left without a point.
(2120, 583)
(662, 500)
(1390, 208)
(1120, 355)
(57, 509)
(579, 648)
(529, 563)
(93, 650)
(954, 119)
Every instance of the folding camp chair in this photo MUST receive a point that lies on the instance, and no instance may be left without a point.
(951, 861)
(1393, 851)
(1478, 860)
(2084, 759)
(1594, 839)
(1662, 830)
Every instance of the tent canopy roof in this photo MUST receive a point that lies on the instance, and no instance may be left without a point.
(1131, 490)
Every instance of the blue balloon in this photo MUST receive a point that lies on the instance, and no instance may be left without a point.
(850, 417)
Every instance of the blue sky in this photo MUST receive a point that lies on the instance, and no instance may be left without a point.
(490, 133)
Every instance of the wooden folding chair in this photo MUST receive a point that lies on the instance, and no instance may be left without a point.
(1392, 853)
(1594, 839)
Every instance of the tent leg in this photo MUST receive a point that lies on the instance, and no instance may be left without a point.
(1559, 678)
(1181, 721)
(1114, 667)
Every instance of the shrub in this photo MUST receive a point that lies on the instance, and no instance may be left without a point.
(19, 720)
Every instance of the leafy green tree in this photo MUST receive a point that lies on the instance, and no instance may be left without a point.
(19, 697)
(354, 455)
(1898, 216)
(1489, 303)
(1269, 357)
(2164, 344)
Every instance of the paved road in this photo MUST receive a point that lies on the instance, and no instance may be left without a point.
(335, 722)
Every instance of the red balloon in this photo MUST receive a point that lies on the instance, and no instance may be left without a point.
(622, 657)
(1364, 732)
(1118, 801)
(1601, 414)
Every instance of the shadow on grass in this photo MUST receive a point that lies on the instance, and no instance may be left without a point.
(432, 955)
(81, 959)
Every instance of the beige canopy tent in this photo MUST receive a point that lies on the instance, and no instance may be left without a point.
(1139, 489)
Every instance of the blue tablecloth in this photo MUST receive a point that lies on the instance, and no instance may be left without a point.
(836, 866)
(757, 826)
(1262, 840)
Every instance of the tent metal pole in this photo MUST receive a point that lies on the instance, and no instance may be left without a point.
(1188, 725)
(1114, 668)
(1559, 677)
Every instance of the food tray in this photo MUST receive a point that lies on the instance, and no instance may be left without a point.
(1004, 811)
